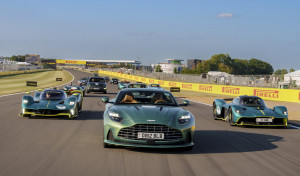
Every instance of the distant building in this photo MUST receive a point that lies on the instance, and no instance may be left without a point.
(293, 76)
(192, 63)
(170, 65)
(32, 58)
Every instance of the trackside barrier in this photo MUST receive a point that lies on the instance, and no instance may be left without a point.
(287, 95)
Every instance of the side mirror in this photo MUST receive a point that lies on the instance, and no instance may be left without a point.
(28, 92)
(105, 99)
(185, 102)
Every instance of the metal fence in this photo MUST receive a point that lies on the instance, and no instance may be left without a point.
(234, 80)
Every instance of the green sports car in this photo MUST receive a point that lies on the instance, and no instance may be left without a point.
(250, 111)
(74, 89)
(51, 102)
(144, 117)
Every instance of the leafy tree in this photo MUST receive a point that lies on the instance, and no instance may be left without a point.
(175, 70)
(292, 70)
(158, 68)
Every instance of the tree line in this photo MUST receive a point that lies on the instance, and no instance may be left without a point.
(224, 63)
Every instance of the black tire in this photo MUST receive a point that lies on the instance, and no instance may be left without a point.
(215, 111)
(189, 148)
(26, 115)
(229, 120)
(105, 145)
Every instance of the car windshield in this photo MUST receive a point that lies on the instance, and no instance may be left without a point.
(52, 95)
(71, 88)
(101, 80)
(252, 102)
(146, 98)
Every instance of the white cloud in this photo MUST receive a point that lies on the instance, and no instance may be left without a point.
(226, 15)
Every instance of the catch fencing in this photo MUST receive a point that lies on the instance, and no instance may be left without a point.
(270, 81)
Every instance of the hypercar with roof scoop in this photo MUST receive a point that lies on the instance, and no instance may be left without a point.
(155, 86)
(152, 118)
(51, 102)
(250, 111)
(74, 89)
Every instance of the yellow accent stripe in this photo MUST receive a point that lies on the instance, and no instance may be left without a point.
(48, 103)
(262, 112)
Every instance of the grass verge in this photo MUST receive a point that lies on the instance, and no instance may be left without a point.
(17, 83)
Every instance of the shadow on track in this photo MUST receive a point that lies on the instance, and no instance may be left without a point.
(84, 115)
(220, 141)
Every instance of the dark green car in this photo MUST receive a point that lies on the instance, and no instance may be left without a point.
(250, 111)
(51, 102)
(144, 117)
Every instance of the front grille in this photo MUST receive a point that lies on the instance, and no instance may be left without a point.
(46, 111)
(131, 133)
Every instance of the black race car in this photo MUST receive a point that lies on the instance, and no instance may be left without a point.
(114, 81)
(96, 84)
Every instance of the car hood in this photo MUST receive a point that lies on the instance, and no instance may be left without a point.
(46, 104)
(255, 111)
(140, 114)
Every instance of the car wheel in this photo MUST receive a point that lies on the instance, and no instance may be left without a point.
(215, 111)
(230, 120)
(189, 148)
(26, 115)
(105, 145)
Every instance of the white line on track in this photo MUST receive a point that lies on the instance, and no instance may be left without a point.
(197, 102)
(36, 90)
(294, 127)
(211, 105)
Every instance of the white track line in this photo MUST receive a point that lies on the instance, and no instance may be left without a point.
(36, 90)
(294, 126)
(197, 102)
(211, 105)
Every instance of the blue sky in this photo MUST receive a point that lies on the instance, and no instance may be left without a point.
(153, 30)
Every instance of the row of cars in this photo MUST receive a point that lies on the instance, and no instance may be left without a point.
(144, 115)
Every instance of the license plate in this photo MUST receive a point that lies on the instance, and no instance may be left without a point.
(96, 88)
(142, 135)
(264, 120)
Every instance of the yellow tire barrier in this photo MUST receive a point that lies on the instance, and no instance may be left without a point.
(287, 95)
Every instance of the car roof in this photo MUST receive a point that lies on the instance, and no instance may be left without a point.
(53, 90)
(96, 77)
(246, 96)
(138, 83)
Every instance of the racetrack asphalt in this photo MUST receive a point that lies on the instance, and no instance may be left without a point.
(54, 146)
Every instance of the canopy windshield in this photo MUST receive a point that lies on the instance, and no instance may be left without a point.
(146, 98)
(53, 95)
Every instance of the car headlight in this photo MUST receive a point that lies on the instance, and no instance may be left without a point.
(25, 101)
(71, 103)
(237, 111)
(184, 119)
(285, 113)
(61, 107)
(115, 116)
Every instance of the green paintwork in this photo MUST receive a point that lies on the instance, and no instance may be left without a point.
(133, 114)
(243, 115)
(34, 103)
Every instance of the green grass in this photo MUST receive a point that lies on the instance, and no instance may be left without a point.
(17, 83)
